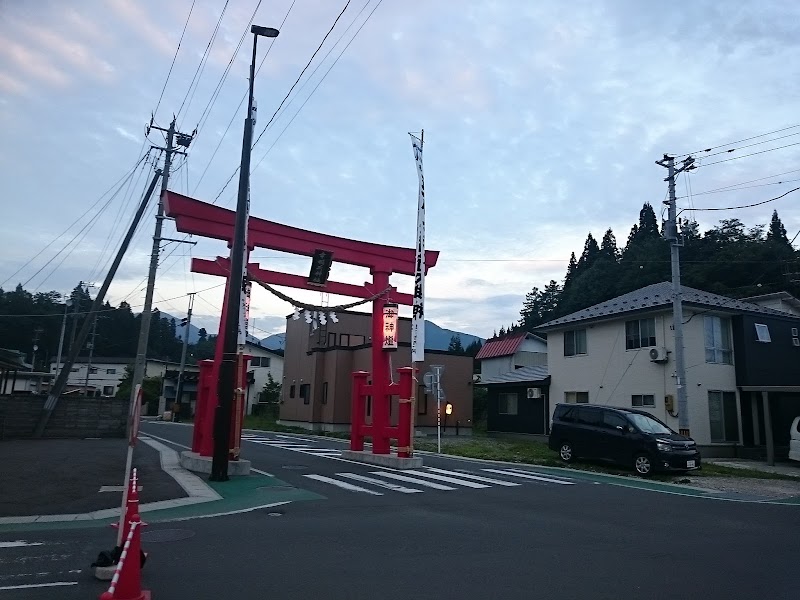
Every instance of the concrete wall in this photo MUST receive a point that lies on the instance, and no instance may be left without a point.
(611, 374)
(73, 417)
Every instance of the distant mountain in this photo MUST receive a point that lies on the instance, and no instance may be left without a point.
(277, 341)
(436, 338)
(194, 332)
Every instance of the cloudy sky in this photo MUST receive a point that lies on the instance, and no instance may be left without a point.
(542, 122)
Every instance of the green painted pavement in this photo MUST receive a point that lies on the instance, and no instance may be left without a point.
(238, 495)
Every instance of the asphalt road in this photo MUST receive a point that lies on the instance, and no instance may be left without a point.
(553, 537)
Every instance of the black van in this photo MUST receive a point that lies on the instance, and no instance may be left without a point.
(626, 436)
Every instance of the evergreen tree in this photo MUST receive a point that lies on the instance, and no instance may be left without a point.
(571, 267)
(591, 251)
(777, 232)
(272, 390)
(455, 345)
(608, 247)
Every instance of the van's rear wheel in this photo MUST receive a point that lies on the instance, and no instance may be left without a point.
(566, 452)
(643, 465)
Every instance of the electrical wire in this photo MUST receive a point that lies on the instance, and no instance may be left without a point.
(746, 155)
(117, 221)
(748, 205)
(734, 186)
(198, 74)
(244, 97)
(317, 86)
(127, 175)
(728, 151)
(738, 141)
(224, 187)
(169, 73)
(308, 64)
(215, 94)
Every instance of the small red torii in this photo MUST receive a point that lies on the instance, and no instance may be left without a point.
(207, 220)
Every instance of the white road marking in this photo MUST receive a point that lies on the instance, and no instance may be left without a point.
(386, 484)
(529, 476)
(38, 585)
(19, 544)
(399, 477)
(476, 477)
(230, 512)
(342, 484)
(453, 480)
(260, 472)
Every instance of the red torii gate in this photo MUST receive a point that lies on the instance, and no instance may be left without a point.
(207, 220)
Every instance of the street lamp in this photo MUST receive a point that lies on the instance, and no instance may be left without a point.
(227, 370)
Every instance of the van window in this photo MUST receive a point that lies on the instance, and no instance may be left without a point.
(613, 420)
(589, 416)
(565, 413)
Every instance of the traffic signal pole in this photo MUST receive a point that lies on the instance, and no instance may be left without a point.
(186, 324)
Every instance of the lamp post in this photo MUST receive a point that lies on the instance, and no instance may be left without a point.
(227, 370)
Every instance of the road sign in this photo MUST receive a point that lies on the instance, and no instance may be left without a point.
(430, 380)
(437, 369)
(136, 417)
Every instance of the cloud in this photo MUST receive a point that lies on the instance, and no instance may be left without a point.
(32, 63)
(11, 85)
(145, 24)
(126, 134)
(72, 52)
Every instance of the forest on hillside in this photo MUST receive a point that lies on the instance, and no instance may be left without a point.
(729, 259)
(28, 319)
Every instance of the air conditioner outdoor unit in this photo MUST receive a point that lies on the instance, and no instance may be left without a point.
(535, 393)
(659, 355)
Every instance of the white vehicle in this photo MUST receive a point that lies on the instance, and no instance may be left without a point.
(794, 442)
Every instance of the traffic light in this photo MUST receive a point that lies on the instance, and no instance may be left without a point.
(184, 321)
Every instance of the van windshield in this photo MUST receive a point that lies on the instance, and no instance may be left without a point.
(648, 425)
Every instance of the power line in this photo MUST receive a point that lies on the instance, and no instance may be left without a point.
(749, 205)
(745, 187)
(244, 97)
(203, 61)
(169, 73)
(318, 84)
(224, 77)
(729, 150)
(738, 141)
(735, 185)
(308, 64)
(121, 180)
(746, 155)
(224, 187)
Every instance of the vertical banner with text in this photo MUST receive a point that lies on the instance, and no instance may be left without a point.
(418, 314)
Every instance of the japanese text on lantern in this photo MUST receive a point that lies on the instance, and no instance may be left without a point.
(390, 333)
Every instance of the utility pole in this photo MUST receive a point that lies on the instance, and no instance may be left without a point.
(77, 303)
(187, 323)
(671, 235)
(91, 355)
(61, 380)
(67, 304)
(144, 329)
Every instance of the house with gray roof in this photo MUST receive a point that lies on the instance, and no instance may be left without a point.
(742, 364)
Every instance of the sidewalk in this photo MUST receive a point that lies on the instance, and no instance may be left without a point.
(48, 477)
(790, 468)
(67, 484)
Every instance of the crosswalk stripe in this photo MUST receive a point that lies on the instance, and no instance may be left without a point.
(558, 477)
(343, 484)
(529, 476)
(430, 484)
(476, 477)
(469, 484)
(386, 484)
